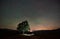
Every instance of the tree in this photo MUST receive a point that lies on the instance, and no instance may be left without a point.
(23, 27)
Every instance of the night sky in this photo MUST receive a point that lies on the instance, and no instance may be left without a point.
(41, 14)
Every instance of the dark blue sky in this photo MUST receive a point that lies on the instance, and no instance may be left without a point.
(44, 14)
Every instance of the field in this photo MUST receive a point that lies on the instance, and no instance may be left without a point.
(45, 34)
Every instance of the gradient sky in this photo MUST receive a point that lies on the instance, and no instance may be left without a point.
(41, 14)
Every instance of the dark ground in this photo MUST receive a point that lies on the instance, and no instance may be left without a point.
(42, 34)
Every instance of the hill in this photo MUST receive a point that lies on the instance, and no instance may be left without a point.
(41, 34)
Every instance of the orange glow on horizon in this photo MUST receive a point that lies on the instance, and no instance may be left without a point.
(34, 28)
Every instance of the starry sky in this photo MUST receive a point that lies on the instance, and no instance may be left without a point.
(41, 14)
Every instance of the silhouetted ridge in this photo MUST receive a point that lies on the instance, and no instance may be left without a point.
(8, 32)
(47, 31)
(41, 34)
